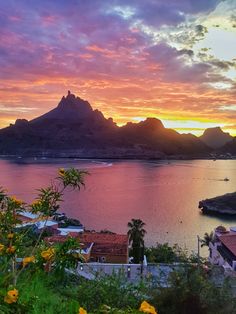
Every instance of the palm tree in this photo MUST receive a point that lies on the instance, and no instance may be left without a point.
(136, 235)
(207, 239)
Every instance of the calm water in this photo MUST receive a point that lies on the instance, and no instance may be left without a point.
(162, 194)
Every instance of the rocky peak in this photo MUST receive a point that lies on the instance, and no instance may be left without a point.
(152, 124)
(71, 101)
(70, 108)
(215, 137)
(21, 122)
(214, 131)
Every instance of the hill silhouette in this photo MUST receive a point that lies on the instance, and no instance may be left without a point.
(74, 129)
(215, 137)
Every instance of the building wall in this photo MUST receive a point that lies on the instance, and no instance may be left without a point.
(131, 271)
(215, 258)
(118, 259)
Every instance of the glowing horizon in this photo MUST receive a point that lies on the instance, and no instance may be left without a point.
(174, 61)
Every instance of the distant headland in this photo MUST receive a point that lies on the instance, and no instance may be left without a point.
(221, 205)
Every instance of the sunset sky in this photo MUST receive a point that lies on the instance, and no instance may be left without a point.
(170, 59)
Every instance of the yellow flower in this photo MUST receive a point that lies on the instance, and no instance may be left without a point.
(12, 296)
(48, 254)
(10, 236)
(1, 247)
(27, 260)
(82, 311)
(62, 171)
(17, 202)
(36, 203)
(147, 308)
(11, 249)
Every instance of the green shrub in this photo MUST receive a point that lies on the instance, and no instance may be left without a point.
(191, 291)
(113, 291)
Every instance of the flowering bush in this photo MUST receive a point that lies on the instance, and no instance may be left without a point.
(14, 261)
(12, 296)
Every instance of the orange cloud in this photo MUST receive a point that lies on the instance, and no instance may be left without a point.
(114, 58)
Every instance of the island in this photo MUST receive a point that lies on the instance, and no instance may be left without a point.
(223, 205)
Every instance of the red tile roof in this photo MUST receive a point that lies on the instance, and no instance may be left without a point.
(59, 238)
(23, 219)
(96, 237)
(229, 240)
(104, 243)
(110, 249)
(62, 238)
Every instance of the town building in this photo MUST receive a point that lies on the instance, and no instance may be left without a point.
(98, 247)
(38, 222)
(105, 247)
(108, 247)
(222, 249)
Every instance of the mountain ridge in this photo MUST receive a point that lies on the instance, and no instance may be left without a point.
(215, 137)
(73, 128)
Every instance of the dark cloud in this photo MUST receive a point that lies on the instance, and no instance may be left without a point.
(187, 34)
(222, 65)
(188, 52)
(176, 65)
(200, 30)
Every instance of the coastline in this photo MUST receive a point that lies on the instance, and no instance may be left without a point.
(223, 205)
(94, 157)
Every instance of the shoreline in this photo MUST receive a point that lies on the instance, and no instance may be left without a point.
(168, 158)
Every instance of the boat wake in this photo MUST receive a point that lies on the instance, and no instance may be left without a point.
(101, 164)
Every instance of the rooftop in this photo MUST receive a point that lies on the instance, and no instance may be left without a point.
(70, 229)
(110, 249)
(103, 243)
(60, 238)
(39, 223)
(28, 215)
(229, 240)
(97, 237)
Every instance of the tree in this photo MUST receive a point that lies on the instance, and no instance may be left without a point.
(136, 235)
(207, 239)
(164, 253)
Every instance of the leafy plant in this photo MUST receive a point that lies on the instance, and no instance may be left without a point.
(21, 248)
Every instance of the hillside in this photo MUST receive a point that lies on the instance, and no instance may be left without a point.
(215, 137)
(73, 128)
(230, 147)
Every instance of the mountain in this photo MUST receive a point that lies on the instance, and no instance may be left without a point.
(70, 108)
(74, 129)
(151, 134)
(229, 147)
(215, 137)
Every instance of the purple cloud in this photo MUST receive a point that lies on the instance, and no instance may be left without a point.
(169, 12)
